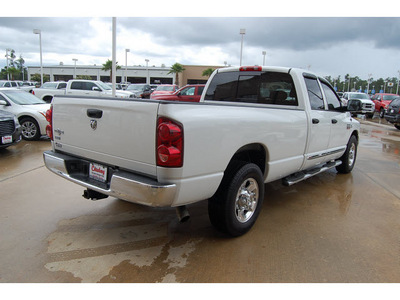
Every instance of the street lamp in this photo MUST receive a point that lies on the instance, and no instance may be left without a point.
(242, 33)
(75, 60)
(39, 32)
(398, 82)
(147, 67)
(126, 64)
(264, 53)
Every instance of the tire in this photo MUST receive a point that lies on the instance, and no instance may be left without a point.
(30, 129)
(397, 126)
(237, 203)
(381, 113)
(349, 157)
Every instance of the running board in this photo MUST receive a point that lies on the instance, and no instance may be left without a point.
(299, 176)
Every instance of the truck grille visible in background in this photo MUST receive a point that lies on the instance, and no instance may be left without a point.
(7, 127)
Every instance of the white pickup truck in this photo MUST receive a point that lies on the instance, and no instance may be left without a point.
(253, 125)
(77, 87)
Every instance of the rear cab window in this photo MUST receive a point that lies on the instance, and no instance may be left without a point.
(256, 87)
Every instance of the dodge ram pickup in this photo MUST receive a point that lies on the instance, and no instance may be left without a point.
(77, 87)
(252, 125)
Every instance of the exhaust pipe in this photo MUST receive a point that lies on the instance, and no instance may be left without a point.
(182, 213)
(93, 195)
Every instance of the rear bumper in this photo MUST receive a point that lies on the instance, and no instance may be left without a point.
(120, 184)
(392, 119)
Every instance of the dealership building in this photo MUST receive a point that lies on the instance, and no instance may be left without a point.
(133, 74)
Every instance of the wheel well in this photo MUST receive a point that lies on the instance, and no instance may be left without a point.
(47, 98)
(252, 153)
(355, 133)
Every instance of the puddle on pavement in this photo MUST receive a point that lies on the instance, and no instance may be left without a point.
(388, 141)
(140, 245)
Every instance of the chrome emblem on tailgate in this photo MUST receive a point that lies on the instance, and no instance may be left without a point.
(93, 124)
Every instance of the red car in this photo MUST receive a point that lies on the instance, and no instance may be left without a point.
(164, 89)
(382, 101)
(189, 93)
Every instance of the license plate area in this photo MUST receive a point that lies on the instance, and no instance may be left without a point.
(7, 139)
(98, 172)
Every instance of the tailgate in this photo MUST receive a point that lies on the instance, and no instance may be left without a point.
(109, 131)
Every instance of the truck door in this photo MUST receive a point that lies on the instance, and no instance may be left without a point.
(319, 124)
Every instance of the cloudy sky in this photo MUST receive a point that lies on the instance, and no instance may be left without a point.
(326, 45)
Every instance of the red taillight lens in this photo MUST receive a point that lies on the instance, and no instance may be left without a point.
(33, 92)
(49, 118)
(250, 68)
(169, 143)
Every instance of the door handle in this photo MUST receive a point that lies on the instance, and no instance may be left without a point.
(315, 121)
(94, 113)
(334, 121)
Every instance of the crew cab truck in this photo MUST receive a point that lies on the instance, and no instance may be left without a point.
(252, 125)
(77, 87)
(47, 91)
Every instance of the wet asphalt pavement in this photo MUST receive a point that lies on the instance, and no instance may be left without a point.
(329, 228)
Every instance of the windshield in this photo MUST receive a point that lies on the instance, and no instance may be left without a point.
(389, 97)
(104, 86)
(22, 97)
(169, 88)
(135, 87)
(358, 96)
(49, 85)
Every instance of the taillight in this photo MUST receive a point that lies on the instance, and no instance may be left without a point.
(169, 143)
(49, 118)
(33, 92)
(251, 68)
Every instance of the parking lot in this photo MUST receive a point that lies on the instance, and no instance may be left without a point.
(330, 228)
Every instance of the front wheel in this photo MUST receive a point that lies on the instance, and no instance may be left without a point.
(30, 129)
(237, 203)
(397, 126)
(349, 157)
(381, 113)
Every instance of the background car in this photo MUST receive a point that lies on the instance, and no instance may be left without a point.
(10, 130)
(8, 84)
(29, 110)
(393, 113)
(361, 101)
(189, 93)
(164, 89)
(382, 101)
(140, 90)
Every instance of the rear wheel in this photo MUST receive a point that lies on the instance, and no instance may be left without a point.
(349, 157)
(397, 126)
(238, 201)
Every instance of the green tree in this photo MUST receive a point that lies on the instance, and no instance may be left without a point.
(176, 68)
(108, 67)
(14, 72)
(208, 72)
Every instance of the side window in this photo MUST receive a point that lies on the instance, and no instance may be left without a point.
(7, 84)
(62, 85)
(200, 90)
(188, 92)
(13, 84)
(89, 86)
(331, 98)
(76, 85)
(314, 94)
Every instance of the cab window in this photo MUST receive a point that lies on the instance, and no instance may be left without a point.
(331, 98)
(314, 94)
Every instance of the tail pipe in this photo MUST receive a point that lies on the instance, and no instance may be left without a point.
(182, 213)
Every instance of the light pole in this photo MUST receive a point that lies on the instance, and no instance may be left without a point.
(369, 80)
(147, 67)
(398, 82)
(242, 33)
(264, 53)
(39, 32)
(126, 64)
(75, 60)
(8, 74)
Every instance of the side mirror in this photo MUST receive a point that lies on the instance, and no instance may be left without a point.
(3, 102)
(97, 89)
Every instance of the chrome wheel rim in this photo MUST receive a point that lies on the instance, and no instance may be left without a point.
(246, 200)
(28, 129)
(352, 154)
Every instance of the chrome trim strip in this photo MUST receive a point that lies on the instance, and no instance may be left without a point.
(323, 154)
